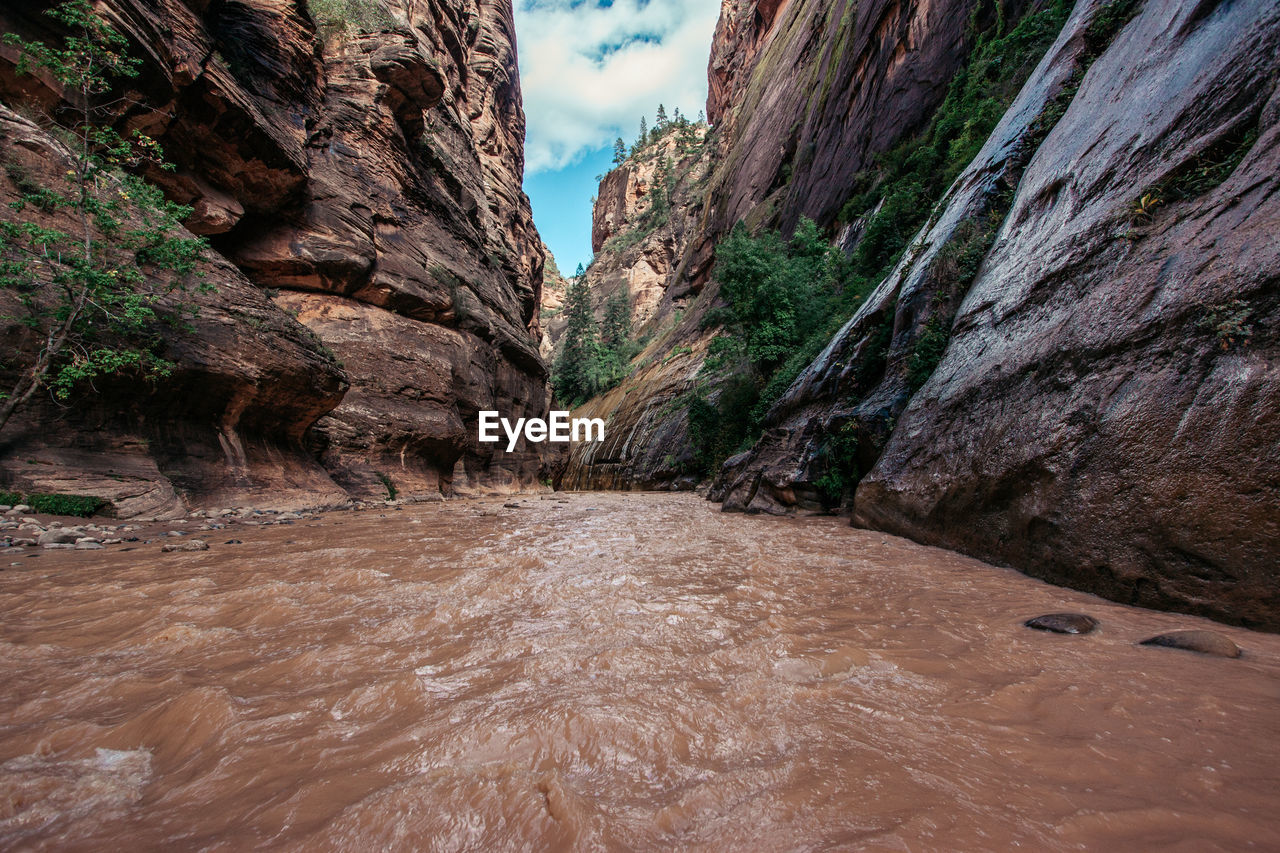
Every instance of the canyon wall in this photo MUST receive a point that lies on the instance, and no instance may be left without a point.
(645, 212)
(803, 95)
(1072, 368)
(377, 272)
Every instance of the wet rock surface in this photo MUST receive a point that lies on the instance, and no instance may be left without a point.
(1063, 623)
(1204, 642)
(1104, 411)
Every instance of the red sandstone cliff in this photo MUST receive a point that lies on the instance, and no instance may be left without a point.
(368, 186)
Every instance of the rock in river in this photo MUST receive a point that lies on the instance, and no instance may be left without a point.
(1204, 642)
(1063, 623)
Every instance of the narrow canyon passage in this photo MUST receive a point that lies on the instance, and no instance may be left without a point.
(609, 671)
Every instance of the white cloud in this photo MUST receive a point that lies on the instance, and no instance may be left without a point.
(588, 72)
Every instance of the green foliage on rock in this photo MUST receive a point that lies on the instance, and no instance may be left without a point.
(88, 259)
(785, 299)
(80, 506)
(388, 484)
(1198, 174)
(897, 196)
(339, 18)
(839, 461)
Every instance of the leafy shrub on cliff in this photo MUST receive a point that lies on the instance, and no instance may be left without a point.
(776, 289)
(717, 427)
(90, 258)
(785, 299)
(839, 460)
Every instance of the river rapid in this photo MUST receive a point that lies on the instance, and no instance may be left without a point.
(609, 671)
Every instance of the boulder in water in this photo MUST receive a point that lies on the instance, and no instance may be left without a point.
(1063, 623)
(1204, 642)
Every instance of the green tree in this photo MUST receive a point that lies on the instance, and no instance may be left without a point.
(88, 294)
(576, 374)
(660, 193)
(619, 152)
(775, 289)
(616, 346)
(580, 272)
(644, 133)
(660, 120)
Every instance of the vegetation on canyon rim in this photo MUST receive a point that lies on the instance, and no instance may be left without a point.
(595, 357)
(338, 18)
(88, 291)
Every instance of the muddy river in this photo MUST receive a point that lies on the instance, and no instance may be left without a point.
(608, 671)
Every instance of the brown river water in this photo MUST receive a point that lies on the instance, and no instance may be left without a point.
(614, 672)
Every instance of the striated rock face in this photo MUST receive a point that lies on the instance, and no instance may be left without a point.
(371, 187)
(804, 93)
(1108, 411)
(1072, 368)
(639, 248)
(228, 424)
(554, 288)
(1105, 413)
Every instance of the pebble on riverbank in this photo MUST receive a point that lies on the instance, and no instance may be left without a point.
(189, 545)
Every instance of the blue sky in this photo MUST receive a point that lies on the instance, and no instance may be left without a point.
(588, 71)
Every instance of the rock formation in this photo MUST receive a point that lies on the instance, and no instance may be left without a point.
(554, 287)
(1071, 370)
(1105, 412)
(640, 253)
(366, 184)
(803, 94)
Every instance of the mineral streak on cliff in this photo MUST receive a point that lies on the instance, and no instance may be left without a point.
(369, 185)
(1093, 396)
